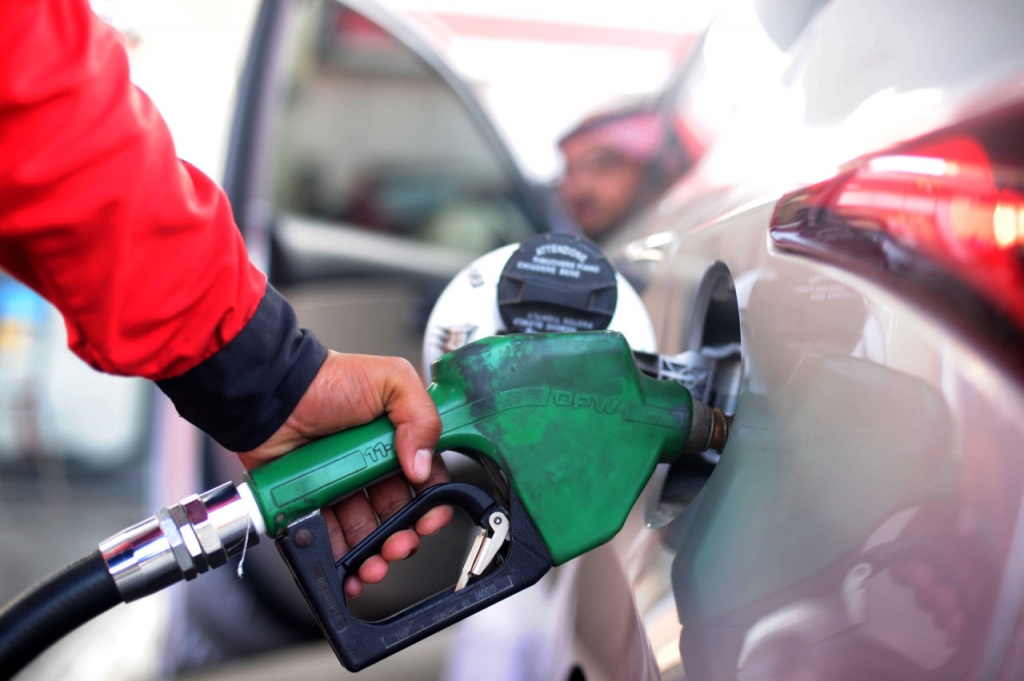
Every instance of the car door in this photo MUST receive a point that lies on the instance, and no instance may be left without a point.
(364, 173)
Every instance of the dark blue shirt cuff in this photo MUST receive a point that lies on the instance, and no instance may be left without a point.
(243, 393)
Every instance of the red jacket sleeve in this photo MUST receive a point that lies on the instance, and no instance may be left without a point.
(137, 249)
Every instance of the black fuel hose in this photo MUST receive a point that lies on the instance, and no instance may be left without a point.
(136, 562)
(46, 612)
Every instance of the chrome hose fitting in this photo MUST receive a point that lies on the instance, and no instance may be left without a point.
(183, 541)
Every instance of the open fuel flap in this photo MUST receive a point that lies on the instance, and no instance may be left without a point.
(711, 369)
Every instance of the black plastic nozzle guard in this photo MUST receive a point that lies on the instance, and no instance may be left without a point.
(307, 551)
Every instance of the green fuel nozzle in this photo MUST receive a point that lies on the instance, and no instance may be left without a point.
(574, 425)
(576, 430)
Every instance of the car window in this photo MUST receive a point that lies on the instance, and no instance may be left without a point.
(370, 137)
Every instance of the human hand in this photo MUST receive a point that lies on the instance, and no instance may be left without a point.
(348, 391)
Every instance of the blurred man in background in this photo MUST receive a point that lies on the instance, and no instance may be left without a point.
(616, 161)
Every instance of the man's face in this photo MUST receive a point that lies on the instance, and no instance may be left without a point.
(599, 186)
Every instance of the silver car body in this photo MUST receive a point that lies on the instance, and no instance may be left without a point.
(873, 430)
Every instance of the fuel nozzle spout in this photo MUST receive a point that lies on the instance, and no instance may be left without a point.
(709, 429)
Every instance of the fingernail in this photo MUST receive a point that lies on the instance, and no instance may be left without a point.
(421, 466)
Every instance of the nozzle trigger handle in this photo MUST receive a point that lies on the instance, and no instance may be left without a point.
(307, 550)
(474, 501)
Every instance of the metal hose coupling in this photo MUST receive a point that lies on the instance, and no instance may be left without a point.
(183, 541)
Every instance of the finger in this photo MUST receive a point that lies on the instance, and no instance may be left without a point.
(438, 474)
(434, 521)
(438, 517)
(414, 415)
(373, 570)
(388, 496)
(339, 547)
(400, 545)
(356, 518)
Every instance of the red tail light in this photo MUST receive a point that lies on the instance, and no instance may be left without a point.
(935, 213)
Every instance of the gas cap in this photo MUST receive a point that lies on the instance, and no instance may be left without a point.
(557, 282)
(551, 282)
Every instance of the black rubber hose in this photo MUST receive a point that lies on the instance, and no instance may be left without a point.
(42, 615)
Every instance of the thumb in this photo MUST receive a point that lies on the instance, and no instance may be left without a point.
(414, 415)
